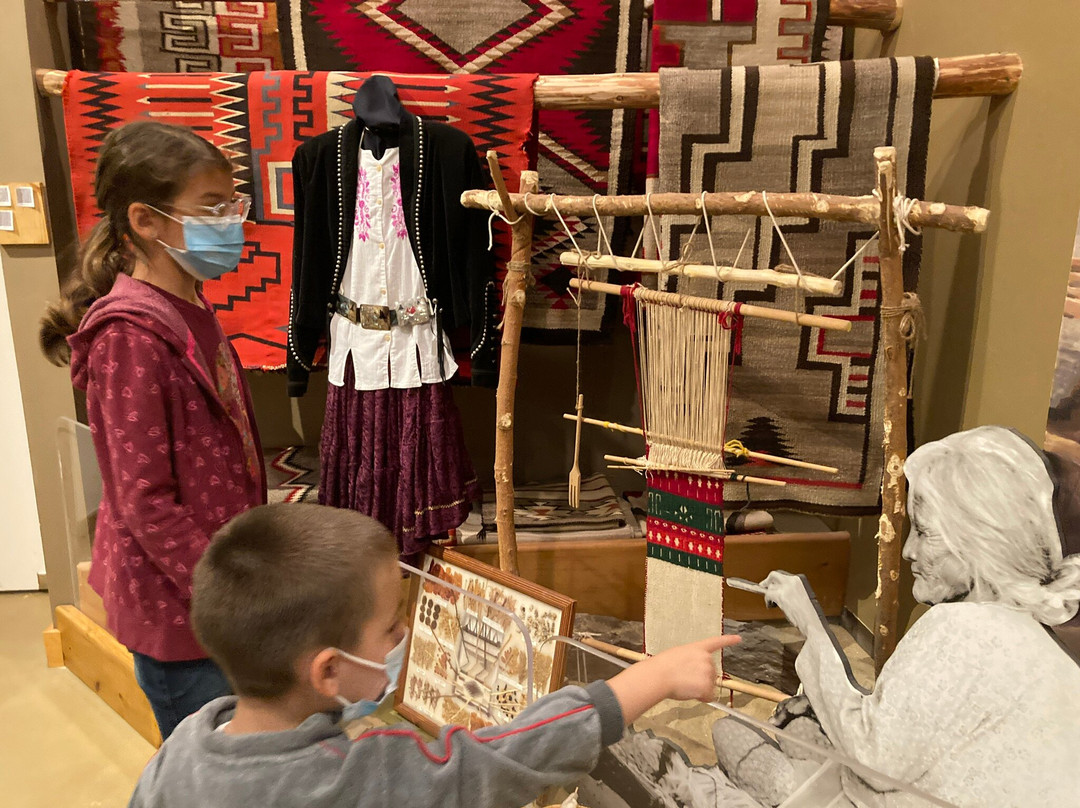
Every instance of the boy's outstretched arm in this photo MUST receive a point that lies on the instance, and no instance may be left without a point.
(554, 742)
(684, 672)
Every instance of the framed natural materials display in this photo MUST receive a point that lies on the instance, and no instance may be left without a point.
(466, 661)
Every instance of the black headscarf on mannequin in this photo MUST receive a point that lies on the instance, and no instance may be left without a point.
(378, 108)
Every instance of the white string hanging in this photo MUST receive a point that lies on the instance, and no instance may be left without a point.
(574, 482)
(491, 223)
(902, 209)
(853, 258)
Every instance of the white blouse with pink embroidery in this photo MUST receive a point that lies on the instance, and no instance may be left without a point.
(381, 270)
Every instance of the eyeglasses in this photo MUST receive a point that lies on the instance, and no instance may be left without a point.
(239, 205)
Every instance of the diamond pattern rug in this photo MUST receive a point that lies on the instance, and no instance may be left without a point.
(579, 152)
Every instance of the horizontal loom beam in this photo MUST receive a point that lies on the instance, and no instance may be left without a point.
(712, 306)
(959, 76)
(864, 209)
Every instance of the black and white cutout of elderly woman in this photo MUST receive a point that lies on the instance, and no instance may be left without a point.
(980, 703)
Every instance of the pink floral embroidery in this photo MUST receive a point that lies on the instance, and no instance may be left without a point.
(362, 223)
(397, 213)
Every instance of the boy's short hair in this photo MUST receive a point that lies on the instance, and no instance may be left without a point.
(281, 580)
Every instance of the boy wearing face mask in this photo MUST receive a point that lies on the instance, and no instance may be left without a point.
(300, 606)
(166, 400)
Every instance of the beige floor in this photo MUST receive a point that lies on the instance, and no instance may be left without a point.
(59, 743)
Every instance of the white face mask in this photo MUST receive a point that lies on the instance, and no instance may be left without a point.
(391, 667)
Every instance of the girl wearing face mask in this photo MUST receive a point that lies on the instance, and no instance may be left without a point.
(166, 398)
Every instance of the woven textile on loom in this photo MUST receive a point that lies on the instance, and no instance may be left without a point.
(259, 119)
(684, 593)
(801, 393)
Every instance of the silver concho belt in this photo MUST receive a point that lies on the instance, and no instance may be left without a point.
(418, 311)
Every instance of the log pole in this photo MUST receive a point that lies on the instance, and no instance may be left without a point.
(861, 209)
(717, 306)
(789, 280)
(882, 15)
(513, 312)
(987, 74)
(894, 348)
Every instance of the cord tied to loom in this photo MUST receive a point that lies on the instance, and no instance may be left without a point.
(902, 210)
(912, 328)
(733, 321)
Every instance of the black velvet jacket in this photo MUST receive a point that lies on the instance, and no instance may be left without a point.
(450, 241)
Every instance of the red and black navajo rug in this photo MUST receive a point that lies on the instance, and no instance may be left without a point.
(259, 119)
(292, 474)
(163, 36)
(580, 152)
(803, 393)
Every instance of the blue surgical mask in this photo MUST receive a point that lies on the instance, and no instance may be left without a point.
(212, 244)
(352, 710)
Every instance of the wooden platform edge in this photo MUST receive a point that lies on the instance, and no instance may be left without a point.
(608, 577)
(54, 649)
(106, 667)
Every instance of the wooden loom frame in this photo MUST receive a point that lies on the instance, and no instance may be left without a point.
(980, 75)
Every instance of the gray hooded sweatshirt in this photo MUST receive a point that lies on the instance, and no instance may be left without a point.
(553, 742)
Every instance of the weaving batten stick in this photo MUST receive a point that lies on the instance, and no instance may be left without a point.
(514, 310)
(639, 464)
(575, 470)
(988, 74)
(717, 306)
(812, 283)
(726, 682)
(768, 458)
(833, 207)
(894, 348)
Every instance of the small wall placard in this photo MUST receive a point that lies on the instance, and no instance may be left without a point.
(22, 213)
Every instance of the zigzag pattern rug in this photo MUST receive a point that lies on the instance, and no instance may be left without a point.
(259, 119)
(803, 393)
(292, 475)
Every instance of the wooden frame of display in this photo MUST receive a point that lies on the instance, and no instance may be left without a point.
(561, 610)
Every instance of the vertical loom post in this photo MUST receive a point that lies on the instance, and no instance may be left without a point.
(893, 484)
(514, 310)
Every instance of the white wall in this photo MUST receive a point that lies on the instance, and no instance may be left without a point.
(21, 557)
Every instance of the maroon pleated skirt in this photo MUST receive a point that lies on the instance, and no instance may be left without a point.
(398, 456)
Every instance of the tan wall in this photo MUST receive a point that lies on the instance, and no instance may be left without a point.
(993, 302)
(29, 275)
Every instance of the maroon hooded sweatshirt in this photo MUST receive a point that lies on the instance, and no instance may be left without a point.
(178, 460)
